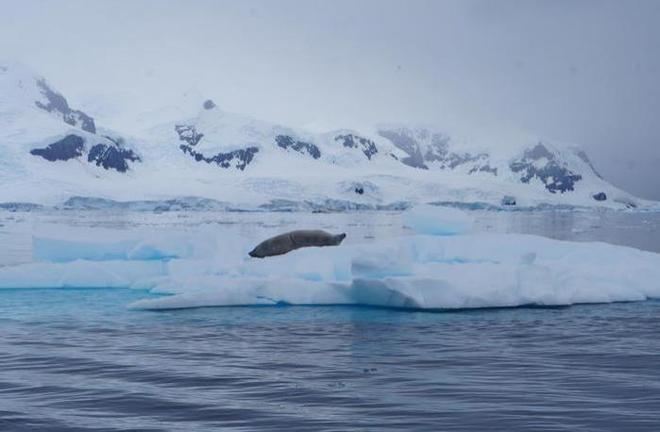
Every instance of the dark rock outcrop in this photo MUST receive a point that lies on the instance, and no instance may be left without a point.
(483, 168)
(508, 200)
(111, 157)
(627, 202)
(437, 151)
(69, 147)
(239, 158)
(20, 206)
(108, 156)
(362, 188)
(553, 173)
(367, 146)
(209, 104)
(600, 196)
(286, 142)
(583, 156)
(479, 161)
(188, 134)
(55, 102)
(408, 144)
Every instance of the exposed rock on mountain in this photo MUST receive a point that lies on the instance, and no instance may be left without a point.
(286, 142)
(600, 196)
(545, 166)
(69, 147)
(367, 146)
(56, 103)
(427, 149)
(112, 157)
(238, 159)
(209, 104)
(188, 134)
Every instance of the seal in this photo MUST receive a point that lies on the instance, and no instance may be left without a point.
(284, 243)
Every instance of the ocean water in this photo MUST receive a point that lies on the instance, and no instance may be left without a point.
(79, 360)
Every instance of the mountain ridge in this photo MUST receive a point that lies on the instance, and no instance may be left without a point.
(236, 158)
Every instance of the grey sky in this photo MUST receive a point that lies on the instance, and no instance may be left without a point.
(578, 71)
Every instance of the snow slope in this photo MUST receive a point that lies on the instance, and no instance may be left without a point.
(52, 153)
(47, 147)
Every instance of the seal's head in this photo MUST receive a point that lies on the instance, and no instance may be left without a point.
(257, 252)
(339, 238)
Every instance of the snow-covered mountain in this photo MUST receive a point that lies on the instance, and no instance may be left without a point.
(44, 140)
(54, 154)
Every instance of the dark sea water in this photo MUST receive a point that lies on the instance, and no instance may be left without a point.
(79, 360)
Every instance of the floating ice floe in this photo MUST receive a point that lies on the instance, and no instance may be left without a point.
(472, 270)
(436, 220)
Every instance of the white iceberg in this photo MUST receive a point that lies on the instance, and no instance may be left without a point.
(474, 270)
(427, 272)
(436, 220)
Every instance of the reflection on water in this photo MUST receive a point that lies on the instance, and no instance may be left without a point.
(72, 358)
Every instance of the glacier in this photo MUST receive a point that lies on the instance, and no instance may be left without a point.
(442, 263)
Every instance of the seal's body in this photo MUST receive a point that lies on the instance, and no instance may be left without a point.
(287, 242)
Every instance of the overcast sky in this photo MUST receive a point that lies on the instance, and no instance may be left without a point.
(579, 71)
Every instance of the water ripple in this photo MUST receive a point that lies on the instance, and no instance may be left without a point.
(327, 368)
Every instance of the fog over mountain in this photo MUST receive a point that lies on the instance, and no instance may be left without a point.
(576, 71)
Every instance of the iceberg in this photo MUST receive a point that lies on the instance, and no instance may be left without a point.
(426, 272)
(420, 271)
(437, 220)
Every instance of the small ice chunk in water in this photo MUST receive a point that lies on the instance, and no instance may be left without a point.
(434, 220)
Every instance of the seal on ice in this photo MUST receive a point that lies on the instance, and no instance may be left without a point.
(287, 242)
